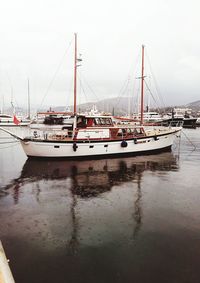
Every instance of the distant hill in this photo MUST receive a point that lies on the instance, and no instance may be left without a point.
(118, 106)
(194, 105)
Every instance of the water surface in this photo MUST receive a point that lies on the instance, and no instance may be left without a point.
(131, 219)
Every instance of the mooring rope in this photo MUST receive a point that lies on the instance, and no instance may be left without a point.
(189, 140)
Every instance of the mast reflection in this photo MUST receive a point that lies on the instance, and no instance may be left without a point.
(90, 179)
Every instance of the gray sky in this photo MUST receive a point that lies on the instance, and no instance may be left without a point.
(35, 34)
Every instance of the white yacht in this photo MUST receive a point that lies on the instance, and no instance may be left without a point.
(97, 136)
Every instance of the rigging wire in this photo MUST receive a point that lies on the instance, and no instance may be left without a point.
(155, 81)
(136, 100)
(56, 72)
(122, 91)
(82, 88)
(125, 84)
(150, 91)
(189, 140)
(89, 87)
(69, 91)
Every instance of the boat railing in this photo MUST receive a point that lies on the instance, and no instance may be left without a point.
(172, 123)
(50, 134)
(121, 131)
(176, 123)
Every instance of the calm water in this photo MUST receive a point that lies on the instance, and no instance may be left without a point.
(117, 220)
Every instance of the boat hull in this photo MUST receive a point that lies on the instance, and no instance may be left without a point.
(11, 124)
(189, 122)
(90, 149)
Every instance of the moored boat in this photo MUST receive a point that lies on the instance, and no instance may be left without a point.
(97, 136)
(53, 120)
(181, 116)
(189, 121)
(198, 122)
(11, 121)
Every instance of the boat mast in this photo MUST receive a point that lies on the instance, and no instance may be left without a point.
(142, 88)
(12, 104)
(2, 105)
(75, 71)
(29, 111)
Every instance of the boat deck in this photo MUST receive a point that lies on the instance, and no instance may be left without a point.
(114, 134)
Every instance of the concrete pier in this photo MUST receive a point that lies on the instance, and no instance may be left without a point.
(5, 272)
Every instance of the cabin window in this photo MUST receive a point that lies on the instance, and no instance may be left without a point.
(56, 146)
(108, 121)
(97, 121)
(81, 122)
(91, 146)
(102, 121)
(89, 122)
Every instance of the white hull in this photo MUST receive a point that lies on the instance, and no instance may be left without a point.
(37, 148)
(11, 124)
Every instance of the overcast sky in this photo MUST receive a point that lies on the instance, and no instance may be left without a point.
(35, 38)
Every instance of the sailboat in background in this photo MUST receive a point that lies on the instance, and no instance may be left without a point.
(13, 120)
(98, 136)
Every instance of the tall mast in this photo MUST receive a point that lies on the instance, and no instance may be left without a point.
(75, 71)
(13, 107)
(29, 111)
(142, 88)
(2, 105)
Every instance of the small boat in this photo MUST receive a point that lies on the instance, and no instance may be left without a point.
(189, 121)
(181, 115)
(150, 118)
(98, 136)
(52, 120)
(198, 122)
(12, 121)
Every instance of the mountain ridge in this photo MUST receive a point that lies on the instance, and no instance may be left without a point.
(116, 106)
(121, 106)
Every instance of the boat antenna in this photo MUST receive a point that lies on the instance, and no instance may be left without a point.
(142, 88)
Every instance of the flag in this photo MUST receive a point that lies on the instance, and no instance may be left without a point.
(15, 120)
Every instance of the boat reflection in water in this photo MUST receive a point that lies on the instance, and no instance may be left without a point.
(91, 178)
(99, 194)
